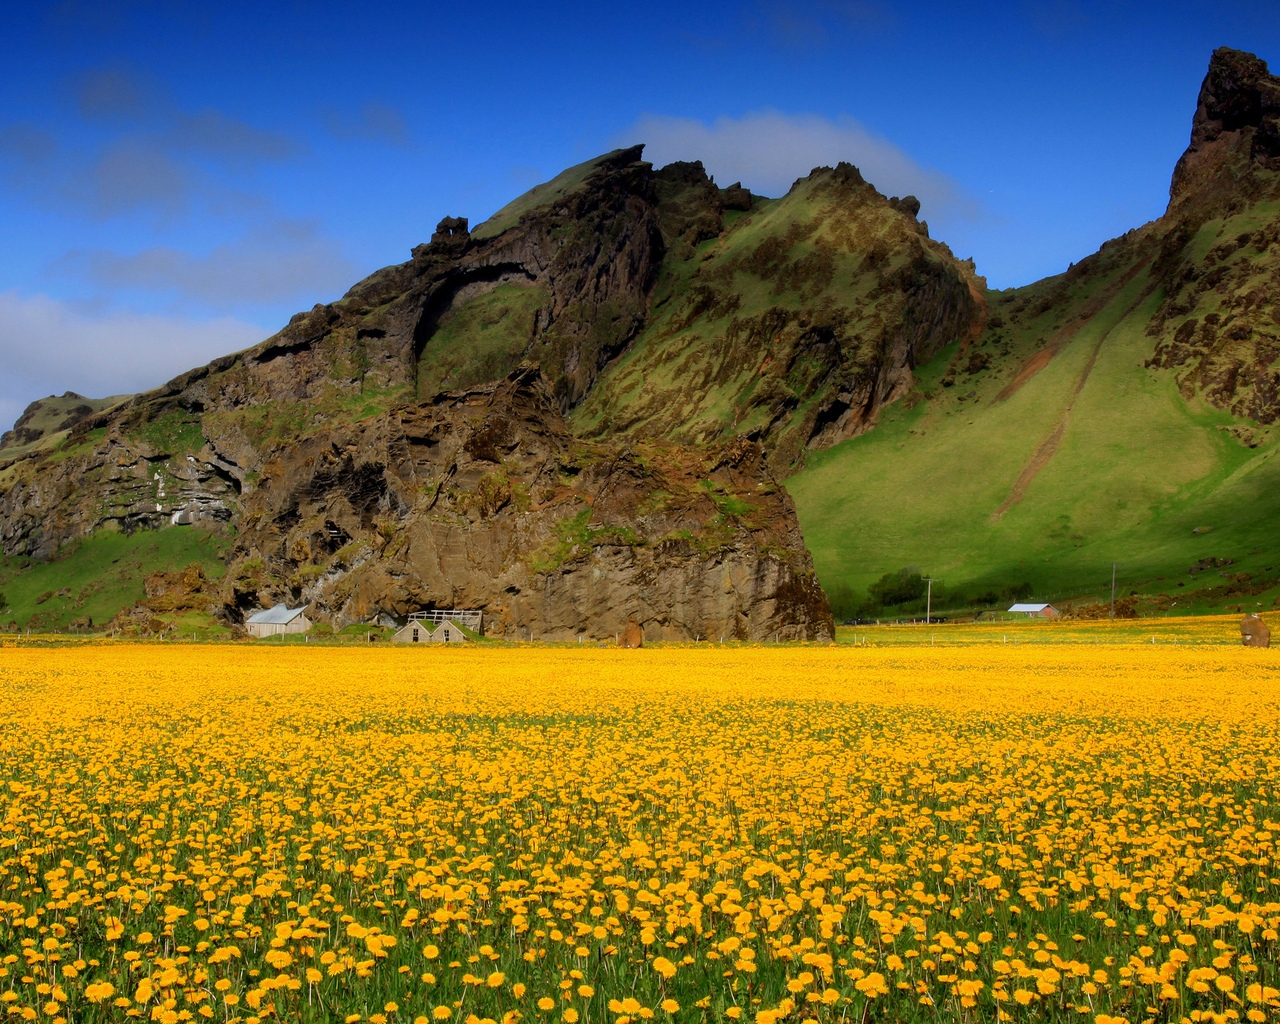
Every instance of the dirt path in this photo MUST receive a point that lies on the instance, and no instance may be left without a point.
(1049, 446)
(1063, 335)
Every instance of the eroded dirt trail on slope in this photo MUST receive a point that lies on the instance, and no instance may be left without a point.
(1063, 335)
(1049, 446)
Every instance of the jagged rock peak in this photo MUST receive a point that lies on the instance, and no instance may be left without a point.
(1238, 92)
(451, 231)
(1236, 128)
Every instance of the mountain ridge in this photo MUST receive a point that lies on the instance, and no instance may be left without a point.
(663, 308)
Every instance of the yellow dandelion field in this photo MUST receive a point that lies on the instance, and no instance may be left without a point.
(840, 834)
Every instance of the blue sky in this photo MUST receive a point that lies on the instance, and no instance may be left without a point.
(177, 179)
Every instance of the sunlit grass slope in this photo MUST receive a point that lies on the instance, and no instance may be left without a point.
(100, 574)
(1093, 459)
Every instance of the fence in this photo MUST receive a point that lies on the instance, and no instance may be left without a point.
(463, 617)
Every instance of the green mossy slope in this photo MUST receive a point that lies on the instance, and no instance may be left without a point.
(831, 288)
(1052, 447)
(100, 575)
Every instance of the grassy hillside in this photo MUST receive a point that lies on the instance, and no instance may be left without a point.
(539, 196)
(100, 575)
(480, 340)
(1049, 450)
(46, 421)
(830, 288)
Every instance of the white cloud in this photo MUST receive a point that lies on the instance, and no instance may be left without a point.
(287, 261)
(768, 150)
(48, 347)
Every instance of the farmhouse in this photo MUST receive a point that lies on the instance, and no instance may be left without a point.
(439, 625)
(277, 620)
(419, 631)
(1037, 611)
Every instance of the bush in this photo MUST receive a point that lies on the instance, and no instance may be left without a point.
(894, 588)
(844, 601)
(1018, 592)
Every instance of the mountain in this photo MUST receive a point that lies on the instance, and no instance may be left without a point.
(561, 279)
(1123, 412)
(658, 353)
(793, 321)
(46, 417)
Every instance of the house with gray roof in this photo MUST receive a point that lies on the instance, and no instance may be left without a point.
(277, 620)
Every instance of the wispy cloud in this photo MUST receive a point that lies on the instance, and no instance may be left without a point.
(810, 23)
(372, 122)
(282, 262)
(768, 150)
(48, 347)
(151, 155)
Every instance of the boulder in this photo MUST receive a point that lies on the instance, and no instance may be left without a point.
(632, 636)
(1254, 632)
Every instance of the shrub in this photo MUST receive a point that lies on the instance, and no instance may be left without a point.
(894, 588)
(1018, 592)
(844, 601)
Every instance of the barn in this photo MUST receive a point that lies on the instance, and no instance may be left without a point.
(1036, 611)
(277, 620)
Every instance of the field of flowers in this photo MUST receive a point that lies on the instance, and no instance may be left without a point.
(591, 836)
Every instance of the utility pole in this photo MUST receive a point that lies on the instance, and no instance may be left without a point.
(928, 601)
(1113, 591)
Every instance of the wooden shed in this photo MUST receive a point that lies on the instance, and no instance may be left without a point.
(277, 620)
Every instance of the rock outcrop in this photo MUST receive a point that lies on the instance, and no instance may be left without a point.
(1236, 124)
(795, 325)
(482, 499)
(1254, 632)
(48, 416)
(1216, 252)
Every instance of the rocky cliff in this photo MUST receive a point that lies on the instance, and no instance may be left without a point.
(1218, 262)
(795, 323)
(481, 498)
(567, 278)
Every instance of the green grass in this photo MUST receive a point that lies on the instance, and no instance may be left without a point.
(540, 195)
(103, 573)
(1202, 631)
(272, 423)
(51, 413)
(1138, 469)
(174, 433)
(480, 341)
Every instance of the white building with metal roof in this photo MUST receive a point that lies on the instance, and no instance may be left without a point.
(1036, 611)
(277, 620)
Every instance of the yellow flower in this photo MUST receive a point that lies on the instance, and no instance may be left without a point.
(546, 1003)
(670, 1005)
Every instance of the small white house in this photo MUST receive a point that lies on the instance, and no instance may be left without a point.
(1036, 611)
(419, 631)
(277, 620)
